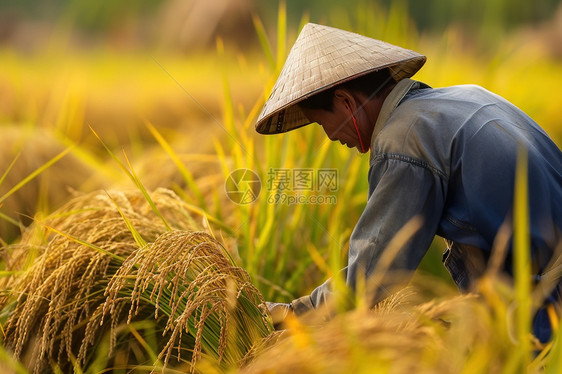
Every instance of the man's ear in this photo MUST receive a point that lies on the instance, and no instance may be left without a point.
(344, 98)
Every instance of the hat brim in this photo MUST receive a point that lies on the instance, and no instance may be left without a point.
(290, 116)
(321, 58)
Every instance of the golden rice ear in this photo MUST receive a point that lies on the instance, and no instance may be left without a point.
(442, 336)
(91, 283)
(197, 288)
(399, 299)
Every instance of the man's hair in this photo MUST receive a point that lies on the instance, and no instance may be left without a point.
(370, 85)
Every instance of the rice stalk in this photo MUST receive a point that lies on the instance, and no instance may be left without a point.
(264, 41)
(91, 267)
(199, 290)
(281, 34)
(461, 334)
(185, 173)
(33, 174)
(161, 166)
(10, 166)
(130, 172)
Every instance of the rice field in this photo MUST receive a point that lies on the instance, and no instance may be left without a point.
(123, 252)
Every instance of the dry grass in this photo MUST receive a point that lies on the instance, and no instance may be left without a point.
(107, 257)
(453, 335)
(30, 149)
(158, 169)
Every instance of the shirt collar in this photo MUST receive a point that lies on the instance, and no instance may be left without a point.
(390, 103)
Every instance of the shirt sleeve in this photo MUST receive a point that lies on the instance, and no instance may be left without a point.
(401, 188)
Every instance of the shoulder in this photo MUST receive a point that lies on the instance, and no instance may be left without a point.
(454, 101)
(428, 121)
(443, 112)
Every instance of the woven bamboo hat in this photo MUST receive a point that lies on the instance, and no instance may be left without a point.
(323, 57)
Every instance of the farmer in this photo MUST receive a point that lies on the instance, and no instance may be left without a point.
(442, 162)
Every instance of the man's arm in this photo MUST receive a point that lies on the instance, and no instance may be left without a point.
(402, 188)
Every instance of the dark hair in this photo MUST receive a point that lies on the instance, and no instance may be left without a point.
(370, 84)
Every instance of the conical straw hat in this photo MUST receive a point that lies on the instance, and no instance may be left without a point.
(323, 57)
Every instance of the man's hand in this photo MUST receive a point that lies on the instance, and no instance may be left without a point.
(279, 311)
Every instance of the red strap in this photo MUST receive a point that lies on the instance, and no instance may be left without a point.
(356, 129)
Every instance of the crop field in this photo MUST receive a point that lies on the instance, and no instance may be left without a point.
(144, 222)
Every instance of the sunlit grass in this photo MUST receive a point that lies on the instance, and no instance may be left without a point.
(115, 92)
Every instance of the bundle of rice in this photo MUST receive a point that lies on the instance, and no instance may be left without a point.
(109, 265)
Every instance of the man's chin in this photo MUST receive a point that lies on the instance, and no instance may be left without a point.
(352, 146)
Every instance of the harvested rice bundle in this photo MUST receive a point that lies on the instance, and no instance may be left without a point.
(200, 291)
(95, 219)
(95, 272)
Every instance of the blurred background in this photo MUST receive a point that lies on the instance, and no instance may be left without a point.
(98, 60)
(197, 73)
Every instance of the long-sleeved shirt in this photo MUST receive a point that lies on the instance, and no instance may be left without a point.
(448, 155)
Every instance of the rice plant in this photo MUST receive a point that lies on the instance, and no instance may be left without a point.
(107, 265)
(462, 334)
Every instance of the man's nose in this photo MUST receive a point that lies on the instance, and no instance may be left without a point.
(333, 134)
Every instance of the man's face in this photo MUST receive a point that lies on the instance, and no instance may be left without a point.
(337, 124)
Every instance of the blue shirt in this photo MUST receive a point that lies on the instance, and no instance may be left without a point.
(448, 155)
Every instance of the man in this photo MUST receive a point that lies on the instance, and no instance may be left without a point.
(446, 157)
